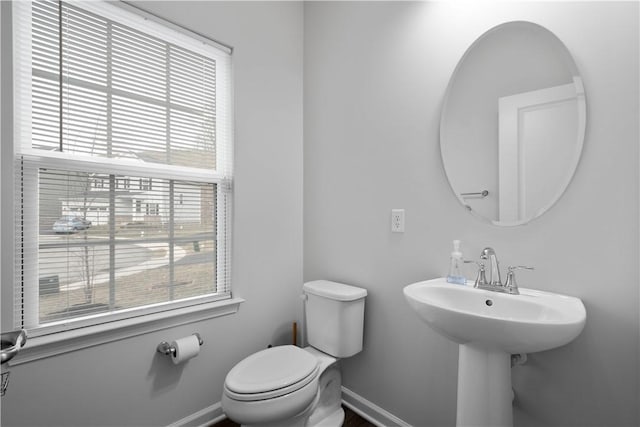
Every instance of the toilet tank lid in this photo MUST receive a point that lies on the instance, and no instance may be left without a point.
(334, 290)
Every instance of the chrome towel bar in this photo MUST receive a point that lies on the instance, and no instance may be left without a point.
(480, 194)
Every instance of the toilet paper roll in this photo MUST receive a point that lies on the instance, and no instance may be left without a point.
(186, 348)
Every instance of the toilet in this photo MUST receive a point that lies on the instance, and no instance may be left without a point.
(289, 386)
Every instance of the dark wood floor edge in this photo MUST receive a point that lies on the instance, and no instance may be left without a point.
(351, 419)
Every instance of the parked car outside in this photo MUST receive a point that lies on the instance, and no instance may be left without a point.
(71, 224)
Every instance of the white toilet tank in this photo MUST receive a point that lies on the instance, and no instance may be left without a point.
(335, 317)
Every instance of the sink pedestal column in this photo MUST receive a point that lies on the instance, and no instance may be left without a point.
(484, 387)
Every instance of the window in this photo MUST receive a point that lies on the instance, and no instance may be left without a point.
(145, 184)
(123, 183)
(123, 162)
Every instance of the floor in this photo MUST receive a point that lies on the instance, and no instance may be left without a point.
(351, 419)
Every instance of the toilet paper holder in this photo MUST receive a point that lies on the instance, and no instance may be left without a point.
(168, 350)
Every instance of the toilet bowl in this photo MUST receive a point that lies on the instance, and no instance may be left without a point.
(284, 386)
(289, 386)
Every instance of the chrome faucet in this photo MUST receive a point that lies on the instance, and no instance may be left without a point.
(495, 283)
(494, 278)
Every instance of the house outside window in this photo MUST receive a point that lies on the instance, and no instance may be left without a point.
(116, 116)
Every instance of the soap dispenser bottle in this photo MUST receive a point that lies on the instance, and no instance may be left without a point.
(455, 265)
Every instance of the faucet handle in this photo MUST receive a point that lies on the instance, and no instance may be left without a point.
(481, 278)
(511, 285)
(519, 267)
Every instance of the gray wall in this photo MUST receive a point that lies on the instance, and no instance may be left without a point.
(375, 77)
(127, 382)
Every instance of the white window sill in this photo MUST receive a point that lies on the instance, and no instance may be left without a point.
(64, 342)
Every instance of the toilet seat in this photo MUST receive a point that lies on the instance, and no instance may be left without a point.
(271, 373)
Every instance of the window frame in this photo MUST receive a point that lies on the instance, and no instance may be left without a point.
(210, 305)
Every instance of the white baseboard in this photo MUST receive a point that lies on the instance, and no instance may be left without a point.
(370, 411)
(203, 418)
(358, 404)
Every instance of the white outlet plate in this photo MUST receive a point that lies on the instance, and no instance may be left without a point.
(397, 220)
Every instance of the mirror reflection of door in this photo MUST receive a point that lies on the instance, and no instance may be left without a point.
(531, 126)
(513, 123)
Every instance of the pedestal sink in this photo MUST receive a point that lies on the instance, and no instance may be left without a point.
(490, 326)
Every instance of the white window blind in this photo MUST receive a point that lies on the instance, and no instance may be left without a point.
(123, 160)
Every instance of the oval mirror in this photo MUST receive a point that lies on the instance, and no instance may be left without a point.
(513, 123)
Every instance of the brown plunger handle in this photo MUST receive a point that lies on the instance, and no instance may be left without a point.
(295, 333)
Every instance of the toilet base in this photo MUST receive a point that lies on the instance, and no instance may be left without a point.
(299, 420)
(333, 420)
(327, 406)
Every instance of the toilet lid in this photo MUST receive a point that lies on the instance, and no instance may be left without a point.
(276, 368)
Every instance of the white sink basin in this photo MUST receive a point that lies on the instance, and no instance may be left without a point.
(526, 323)
(490, 326)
